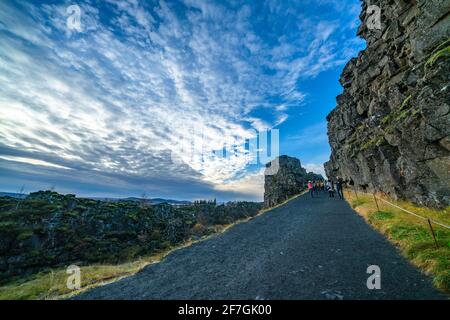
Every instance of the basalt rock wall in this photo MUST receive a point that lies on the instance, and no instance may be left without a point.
(390, 130)
(284, 178)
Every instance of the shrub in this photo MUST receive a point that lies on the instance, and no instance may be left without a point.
(198, 229)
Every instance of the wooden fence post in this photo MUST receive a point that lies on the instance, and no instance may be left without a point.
(376, 202)
(432, 232)
(356, 193)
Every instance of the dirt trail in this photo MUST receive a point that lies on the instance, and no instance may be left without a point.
(306, 249)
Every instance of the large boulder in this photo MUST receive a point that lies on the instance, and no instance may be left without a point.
(390, 130)
(284, 178)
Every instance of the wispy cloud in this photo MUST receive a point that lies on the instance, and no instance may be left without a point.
(118, 97)
(32, 161)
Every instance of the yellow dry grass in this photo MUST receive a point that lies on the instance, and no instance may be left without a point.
(410, 234)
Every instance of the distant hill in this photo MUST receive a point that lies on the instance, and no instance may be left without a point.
(159, 201)
(150, 201)
(13, 195)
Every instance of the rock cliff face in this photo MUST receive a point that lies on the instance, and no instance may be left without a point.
(390, 129)
(285, 177)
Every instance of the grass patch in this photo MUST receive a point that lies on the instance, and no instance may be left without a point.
(52, 284)
(358, 202)
(381, 215)
(411, 234)
(432, 261)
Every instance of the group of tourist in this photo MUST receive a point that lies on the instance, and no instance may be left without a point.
(315, 188)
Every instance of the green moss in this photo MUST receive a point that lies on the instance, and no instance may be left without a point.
(133, 217)
(387, 119)
(63, 229)
(415, 111)
(353, 146)
(442, 51)
(25, 235)
(375, 141)
(398, 113)
(391, 121)
(357, 145)
(405, 102)
(7, 225)
(71, 214)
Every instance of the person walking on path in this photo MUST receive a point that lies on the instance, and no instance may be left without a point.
(330, 189)
(311, 189)
(339, 188)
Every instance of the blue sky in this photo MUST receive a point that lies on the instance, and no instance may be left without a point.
(144, 97)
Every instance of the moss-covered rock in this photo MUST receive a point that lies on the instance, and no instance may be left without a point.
(48, 229)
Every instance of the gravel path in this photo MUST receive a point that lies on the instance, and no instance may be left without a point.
(306, 249)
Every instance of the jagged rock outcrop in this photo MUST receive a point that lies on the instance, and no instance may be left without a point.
(284, 178)
(390, 129)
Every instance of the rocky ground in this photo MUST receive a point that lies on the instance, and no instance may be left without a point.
(47, 229)
(390, 130)
(306, 249)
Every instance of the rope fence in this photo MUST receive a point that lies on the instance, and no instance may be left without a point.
(429, 220)
(415, 214)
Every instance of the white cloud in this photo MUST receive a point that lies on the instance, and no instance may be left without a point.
(251, 184)
(118, 96)
(32, 161)
(316, 168)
